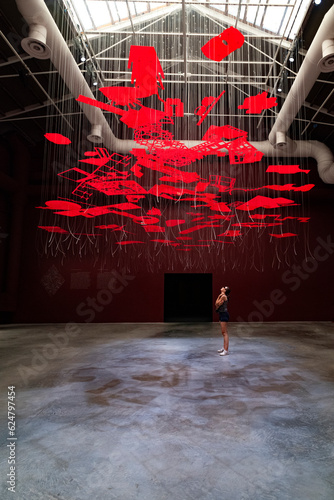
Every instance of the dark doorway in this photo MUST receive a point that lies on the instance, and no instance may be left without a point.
(188, 297)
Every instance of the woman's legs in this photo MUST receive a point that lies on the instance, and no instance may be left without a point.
(223, 326)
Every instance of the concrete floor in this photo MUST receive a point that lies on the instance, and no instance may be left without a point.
(152, 412)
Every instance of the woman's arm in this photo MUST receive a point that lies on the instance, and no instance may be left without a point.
(219, 298)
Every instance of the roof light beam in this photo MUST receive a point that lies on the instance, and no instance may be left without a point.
(110, 13)
(131, 21)
(90, 15)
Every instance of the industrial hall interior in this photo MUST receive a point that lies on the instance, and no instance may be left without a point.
(167, 250)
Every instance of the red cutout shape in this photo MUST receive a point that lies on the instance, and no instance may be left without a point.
(128, 242)
(290, 187)
(54, 229)
(154, 229)
(220, 206)
(174, 222)
(240, 151)
(154, 211)
(125, 206)
(111, 188)
(224, 184)
(258, 224)
(61, 205)
(232, 233)
(179, 107)
(123, 96)
(135, 118)
(206, 106)
(256, 104)
(224, 44)
(136, 169)
(286, 169)
(147, 72)
(264, 202)
(57, 138)
(282, 235)
(167, 242)
(217, 134)
(110, 226)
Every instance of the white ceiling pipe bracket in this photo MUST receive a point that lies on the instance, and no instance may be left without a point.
(281, 141)
(36, 12)
(305, 79)
(326, 64)
(35, 44)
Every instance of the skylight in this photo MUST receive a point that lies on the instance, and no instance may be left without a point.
(279, 17)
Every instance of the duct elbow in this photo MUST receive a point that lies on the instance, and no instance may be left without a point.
(326, 171)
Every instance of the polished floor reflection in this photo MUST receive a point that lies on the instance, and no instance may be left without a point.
(152, 412)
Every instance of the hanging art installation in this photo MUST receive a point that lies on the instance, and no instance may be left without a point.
(155, 195)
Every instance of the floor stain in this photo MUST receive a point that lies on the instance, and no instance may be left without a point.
(109, 385)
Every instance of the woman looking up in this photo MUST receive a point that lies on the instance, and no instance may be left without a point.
(221, 309)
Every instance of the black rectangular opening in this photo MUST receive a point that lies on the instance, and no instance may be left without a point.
(188, 297)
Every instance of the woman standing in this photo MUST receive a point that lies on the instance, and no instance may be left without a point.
(221, 309)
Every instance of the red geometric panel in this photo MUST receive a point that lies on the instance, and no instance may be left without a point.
(136, 118)
(146, 70)
(154, 211)
(174, 222)
(240, 151)
(206, 106)
(290, 187)
(222, 45)
(232, 233)
(286, 169)
(154, 229)
(265, 202)
(256, 104)
(113, 188)
(225, 132)
(179, 107)
(123, 96)
(224, 184)
(54, 229)
(125, 206)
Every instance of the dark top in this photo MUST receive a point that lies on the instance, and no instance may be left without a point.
(223, 307)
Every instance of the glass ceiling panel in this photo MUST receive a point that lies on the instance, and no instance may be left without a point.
(281, 17)
(99, 13)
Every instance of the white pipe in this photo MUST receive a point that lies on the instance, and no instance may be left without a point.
(305, 79)
(36, 12)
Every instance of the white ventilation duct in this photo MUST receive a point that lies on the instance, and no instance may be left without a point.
(316, 61)
(35, 12)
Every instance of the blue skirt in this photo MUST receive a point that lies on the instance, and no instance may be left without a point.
(224, 316)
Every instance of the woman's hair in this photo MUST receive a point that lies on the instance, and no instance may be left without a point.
(227, 291)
